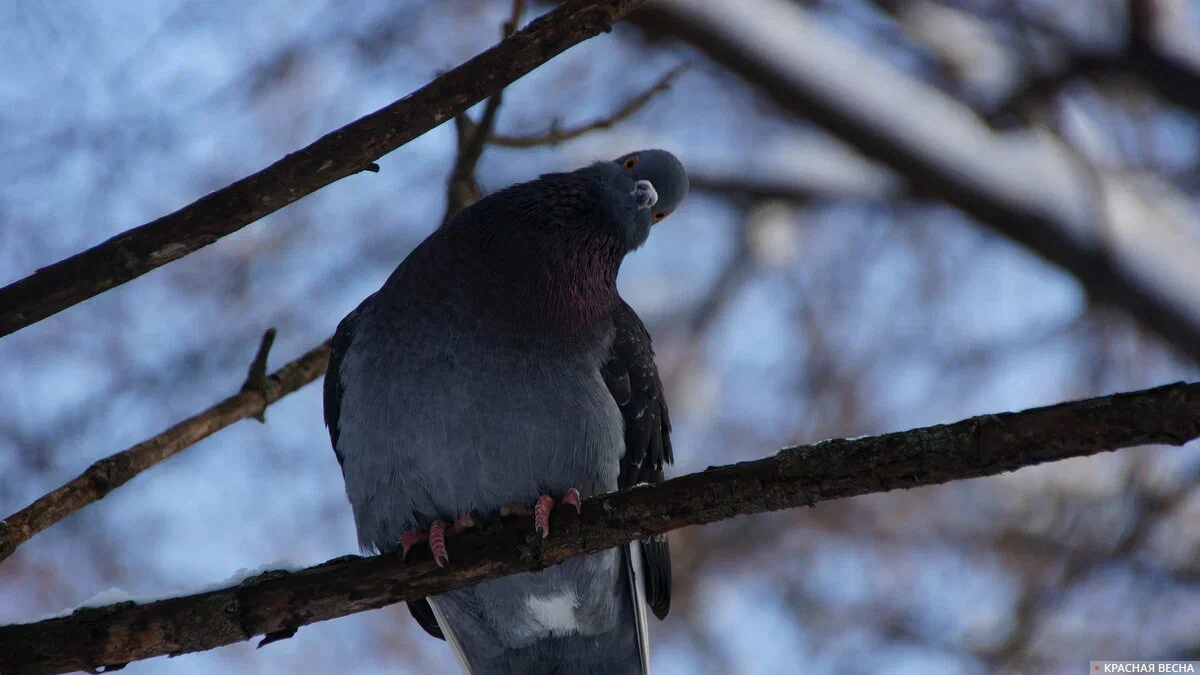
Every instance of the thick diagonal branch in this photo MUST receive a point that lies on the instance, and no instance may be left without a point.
(341, 153)
(279, 602)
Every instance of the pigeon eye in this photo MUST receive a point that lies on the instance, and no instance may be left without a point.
(631, 162)
(659, 215)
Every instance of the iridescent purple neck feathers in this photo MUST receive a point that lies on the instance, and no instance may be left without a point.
(536, 258)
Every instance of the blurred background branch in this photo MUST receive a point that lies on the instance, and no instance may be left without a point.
(558, 135)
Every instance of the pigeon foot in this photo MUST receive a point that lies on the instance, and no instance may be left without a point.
(436, 536)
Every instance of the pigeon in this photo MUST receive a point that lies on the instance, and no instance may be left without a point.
(498, 371)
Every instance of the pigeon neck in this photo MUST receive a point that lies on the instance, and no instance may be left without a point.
(538, 259)
(559, 286)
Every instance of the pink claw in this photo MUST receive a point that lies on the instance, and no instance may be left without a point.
(541, 515)
(436, 536)
(572, 498)
(410, 539)
(437, 543)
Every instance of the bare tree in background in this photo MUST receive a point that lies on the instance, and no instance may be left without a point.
(873, 176)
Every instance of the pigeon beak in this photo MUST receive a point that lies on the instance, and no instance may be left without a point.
(644, 194)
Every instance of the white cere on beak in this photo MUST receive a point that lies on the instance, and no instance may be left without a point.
(644, 194)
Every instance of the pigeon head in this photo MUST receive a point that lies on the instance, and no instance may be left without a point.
(660, 184)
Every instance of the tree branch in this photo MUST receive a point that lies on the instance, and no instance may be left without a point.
(555, 135)
(256, 377)
(341, 153)
(279, 602)
(114, 471)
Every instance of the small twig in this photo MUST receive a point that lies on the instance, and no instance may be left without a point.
(555, 135)
(114, 471)
(514, 21)
(278, 602)
(256, 379)
(276, 636)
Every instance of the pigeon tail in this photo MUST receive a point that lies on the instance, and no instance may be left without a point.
(623, 649)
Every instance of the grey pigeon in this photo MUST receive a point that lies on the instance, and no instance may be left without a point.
(497, 370)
